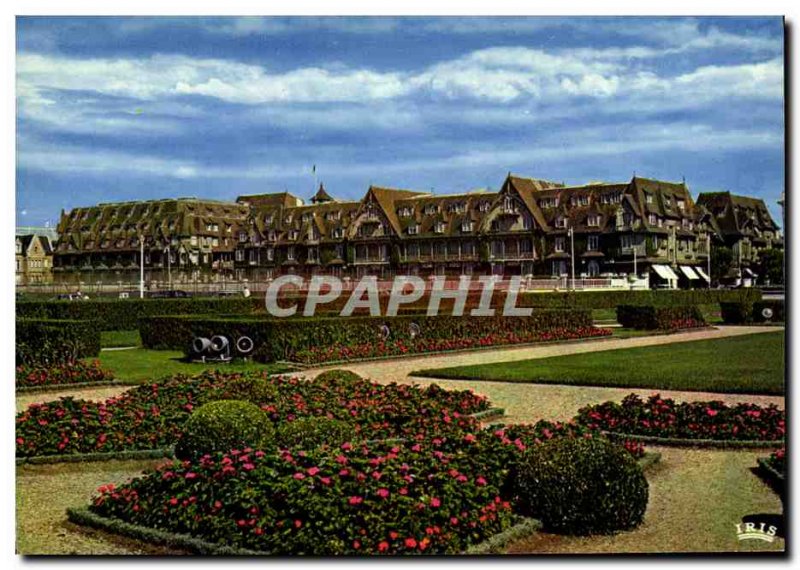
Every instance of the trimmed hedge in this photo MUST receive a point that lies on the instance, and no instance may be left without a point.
(281, 339)
(777, 306)
(581, 486)
(313, 432)
(124, 314)
(739, 313)
(224, 425)
(649, 317)
(55, 341)
(611, 299)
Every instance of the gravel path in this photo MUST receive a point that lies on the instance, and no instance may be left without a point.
(94, 393)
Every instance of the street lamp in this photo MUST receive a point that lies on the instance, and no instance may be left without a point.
(571, 233)
(169, 268)
(141, 267)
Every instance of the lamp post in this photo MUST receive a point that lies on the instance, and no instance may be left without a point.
(141, 267)
(708, 259)
(572, 254)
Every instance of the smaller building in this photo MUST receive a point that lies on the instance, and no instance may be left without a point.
(34, 260)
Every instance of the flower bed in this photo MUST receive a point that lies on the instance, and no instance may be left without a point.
(75, 372)
(340, 353)
(355, 499)
(151, 416)
(671, 422)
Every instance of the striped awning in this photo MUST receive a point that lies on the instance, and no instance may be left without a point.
(689, 272)
(665, 272)
(701, 273)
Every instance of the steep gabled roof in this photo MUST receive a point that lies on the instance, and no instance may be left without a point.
(321, 196)
(386, 197)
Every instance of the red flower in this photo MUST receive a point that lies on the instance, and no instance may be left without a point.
(436, 502)
(411, 543)
(383, 493)
(356, 500)
(313, 471)
(383, 546)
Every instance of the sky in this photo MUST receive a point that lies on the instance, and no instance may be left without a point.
(112, 109)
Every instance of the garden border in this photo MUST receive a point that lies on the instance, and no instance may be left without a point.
(168, 452)
(323, 365)
(21, 390)
(685, 442)
(771, 476)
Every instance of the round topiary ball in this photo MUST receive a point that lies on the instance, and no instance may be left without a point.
(339, 375)
(222, 426)
(313, 432)
(581, 486)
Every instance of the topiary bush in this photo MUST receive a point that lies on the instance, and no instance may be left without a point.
(255, 389)
(339, 375)
(581, 486)
(313, 432)
(222, 426)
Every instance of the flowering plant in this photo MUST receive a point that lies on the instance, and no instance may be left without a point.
(663, 417)
(71, 372)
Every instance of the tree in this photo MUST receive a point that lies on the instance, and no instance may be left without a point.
(770, 266)
(721, 262)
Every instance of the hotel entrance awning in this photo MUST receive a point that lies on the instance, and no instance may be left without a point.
(665, 272)
(689, 272)
(702, 274)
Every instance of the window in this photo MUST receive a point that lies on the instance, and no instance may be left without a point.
(561, 222)
(559, 245)
(466, 227)
(527, 222)
(593, 268)
(290, 253)
(306, 218)
(270, 254)
(242, 237)
(483, 206)
(429, 210)
(652, 219)
(332, 216)
(648, 198)
(293, 234)
(681, 204)
(337, 233)
(626, 241)
(313, 254)
(548, 202)
(413, 229)
(439, 227)
(593, 220)
(215, 242)
(593, 243)
(239, 255)
(19, 247)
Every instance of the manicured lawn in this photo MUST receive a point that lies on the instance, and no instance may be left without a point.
(750, 364)
(110, 339)
(142, 365)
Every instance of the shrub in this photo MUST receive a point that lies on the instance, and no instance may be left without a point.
(313, 432)
(339, 375)
(581, 486)
(124, 314)
(52, 342)
(332, 337)
(222, 426)
(650, 317)
(663, 417)
(736, 313)
(67, 373)
(776, 306)
(255, 389)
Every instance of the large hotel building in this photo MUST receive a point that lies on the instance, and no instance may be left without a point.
(528, 227)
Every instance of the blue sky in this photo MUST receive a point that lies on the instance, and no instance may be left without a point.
(135, 108)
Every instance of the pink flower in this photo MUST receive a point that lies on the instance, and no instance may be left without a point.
(356, 500)
(435, 502)
(191, 475)
(313, 471)
(298, 476)
(411, 543)
(480, 481)
(383, 493)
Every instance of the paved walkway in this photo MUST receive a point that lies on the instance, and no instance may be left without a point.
(531, 402)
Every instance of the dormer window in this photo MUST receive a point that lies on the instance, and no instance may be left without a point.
(294, 234)
(438, 227)
(332, 216)
(413, 229)
(648, 198)
(561, 222)
(652, 219)
(306, 218)
(681, 204)
(483, 206)
(429, 210)
(405, 212)
(242, 237)
(337, 233)
(268, 219)
(593, 220)
(466, 227)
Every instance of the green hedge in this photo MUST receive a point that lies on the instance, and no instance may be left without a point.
(649, 317)
(279, 339)
(124, 314)
(736, 313)
(778, 307)
(52, 341)
(611, 299)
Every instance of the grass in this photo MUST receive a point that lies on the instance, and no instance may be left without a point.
(112, 339)
(142, 365)
(749, 364)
